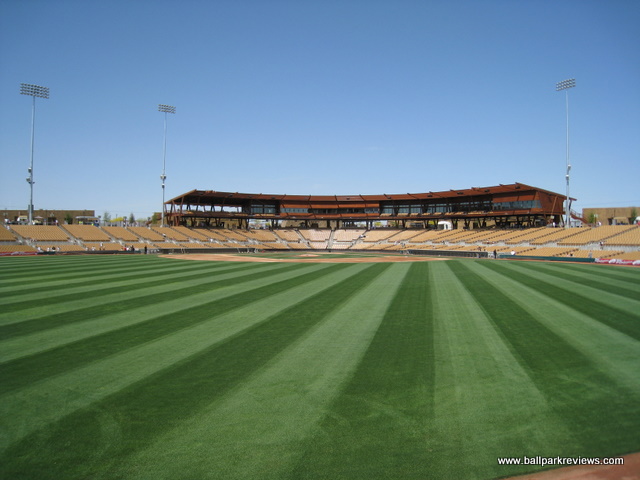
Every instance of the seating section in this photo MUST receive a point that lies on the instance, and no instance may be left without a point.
(262, 236)
(41, 233)
(530, 235)
(6, 235)
(165, 245)
(195, 234)
(595, 235)
(188, 245)
(16, 248)
(103, 246)
(515, 250)
(146, 234)
(617, 241)
(273, 245)
(557, 235)
(62, 248)
(87, 233)
(626, 256)
(379, 235)
(404, 235)
(553, 252)
(316, 235)
(630, 237)
(427, 236)
(120, 233)
(232, 234)
(214, 235)
(170, 233)
(347, 235)
(288, 235)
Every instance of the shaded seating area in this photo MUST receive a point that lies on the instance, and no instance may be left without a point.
(379, 235)
(343, 235)
(313, 235)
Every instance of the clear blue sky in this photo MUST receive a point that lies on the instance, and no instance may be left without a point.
(317, 97)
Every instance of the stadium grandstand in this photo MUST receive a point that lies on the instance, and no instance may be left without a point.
(504, 220)
(616, 241)
(515, 205)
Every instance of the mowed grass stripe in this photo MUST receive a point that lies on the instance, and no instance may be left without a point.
(90, 305)
(112, 300)
(140, 311)
(32, 267)
(22, 371)
(29, 269)
(615, 353)
(376, 427)
(51, 283)
(594, 406)
(136, 282)
(159, 402)
(616, 311)
(34, 263)
(35, 406)
(486, 405)
(255, 430)
(591, 279)
(603, 271)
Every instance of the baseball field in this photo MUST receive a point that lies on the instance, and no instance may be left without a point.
(143, 367)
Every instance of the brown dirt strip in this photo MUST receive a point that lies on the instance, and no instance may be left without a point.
(222, 257)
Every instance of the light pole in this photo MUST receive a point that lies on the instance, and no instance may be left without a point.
(34, 91)
(165, 109)
(566, 85)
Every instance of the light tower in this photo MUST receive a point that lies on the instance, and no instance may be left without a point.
(165, 109)
(566, 85)
(34, 91)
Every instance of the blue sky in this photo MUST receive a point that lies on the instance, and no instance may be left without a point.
(316, 97)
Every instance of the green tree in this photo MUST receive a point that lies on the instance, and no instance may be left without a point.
(106, 217)
(132, 218)
(68, 218)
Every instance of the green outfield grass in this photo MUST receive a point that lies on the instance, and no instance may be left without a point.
(140, 367)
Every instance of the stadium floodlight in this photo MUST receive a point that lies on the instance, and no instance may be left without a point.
(33, 91)
(164, 109)
(566, 85)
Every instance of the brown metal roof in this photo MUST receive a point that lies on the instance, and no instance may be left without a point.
(230, 198)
